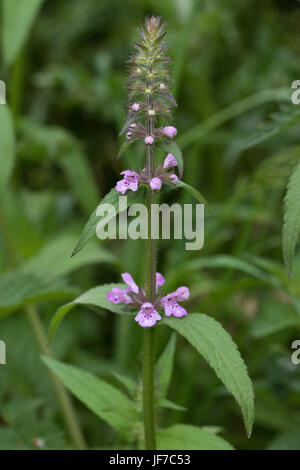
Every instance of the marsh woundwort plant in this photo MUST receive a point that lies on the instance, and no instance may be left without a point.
(149, 110)
(149, 106)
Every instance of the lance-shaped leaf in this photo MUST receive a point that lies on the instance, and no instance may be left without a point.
(17, 19)
(214, 343)
(95, 297)
(291, 224)
(125, 146)
(187, 437)
(111, 198)
(194, 192)
(7, 146)
(101, 398)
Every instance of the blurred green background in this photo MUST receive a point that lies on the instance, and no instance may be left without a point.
(65, 70)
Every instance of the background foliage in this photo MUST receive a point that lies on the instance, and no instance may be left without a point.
(64, 66)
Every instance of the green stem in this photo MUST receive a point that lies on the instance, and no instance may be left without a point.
(149, 339)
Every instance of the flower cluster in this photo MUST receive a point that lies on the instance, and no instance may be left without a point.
(135, 296)
(132, 179)
(149, 105)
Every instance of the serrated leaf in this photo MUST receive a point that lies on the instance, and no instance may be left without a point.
(101, 398)
(173, 148)
(94, 297)
(187, 437)
(291, 223)
(194, 192)
(17, 19)
(7, 146)
(165, 366)
(111, 198)
(214, 343)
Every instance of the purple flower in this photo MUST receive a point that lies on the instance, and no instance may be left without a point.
(130, 181)
(155, 183)
(147, 316)
(135, 107)
(170, 302)
(160, 280)
(169, 131)
(118, 296)
(136, 297)
(149, 140)
(174, 179)
(133, 287)
(170, 161)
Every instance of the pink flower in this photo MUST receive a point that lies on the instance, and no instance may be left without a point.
(149, 140)
(174, 179)
(130, 181)
(133, 287)
(160, 280)
(169, 131)
(135, 107)
(118, 296)
(170, 161)
(155, 183)
(170, 302)
(147, 316)
(162, 86)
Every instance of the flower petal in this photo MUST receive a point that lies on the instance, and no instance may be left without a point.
(130, 282)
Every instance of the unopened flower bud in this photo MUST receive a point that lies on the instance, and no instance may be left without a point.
(135, 107)
(155, 183)
(149, 140)
(169, 131)
(148, 91)
(151, 112)
(174, 179)
(162, 86)
(170, 161)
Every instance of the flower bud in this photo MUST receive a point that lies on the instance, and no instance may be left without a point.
(155, 184)
(149, 140)
(135, 107)
(170, 161)
(151, 112)
(169, 131)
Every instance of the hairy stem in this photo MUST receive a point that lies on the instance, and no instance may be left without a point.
(149, 340)
(149, 333)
